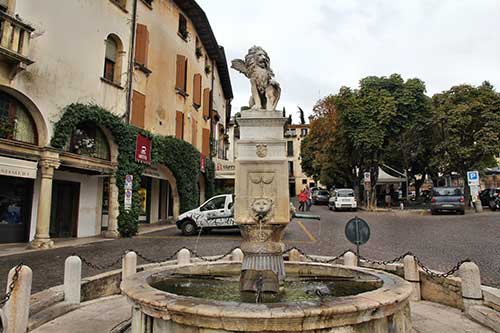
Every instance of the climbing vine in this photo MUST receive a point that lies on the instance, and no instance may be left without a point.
(179, 156)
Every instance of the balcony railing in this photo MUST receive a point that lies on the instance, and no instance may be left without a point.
(14, 41)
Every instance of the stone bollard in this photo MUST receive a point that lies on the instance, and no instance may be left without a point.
(72, 279)
(129, 264)
(294, 255)
(17, 307)
(471, 285)
(183, 257)
(237, 255)
(412, 275)
(350, 259)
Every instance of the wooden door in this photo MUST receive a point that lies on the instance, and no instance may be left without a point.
(64, 211)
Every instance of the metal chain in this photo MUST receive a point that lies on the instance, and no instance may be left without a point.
(386, 262)
(432, 274)
(98, 266)
(308, 257)
(12, 285)
(213, 258)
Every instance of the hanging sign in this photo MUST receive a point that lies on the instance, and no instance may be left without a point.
(203, 163)
(143, 149)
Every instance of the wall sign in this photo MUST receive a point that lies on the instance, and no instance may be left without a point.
(128, 192)
(14, 167)
(143, 149)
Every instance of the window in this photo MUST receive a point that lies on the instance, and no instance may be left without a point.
(88, 140)
(206, 103)
(303, 132)
(214, 204)
(16, 122)
(198, 51)
(197, 91)
(290, 168)
(205, 148)
(138, 109)
(182, 31)
(4, 5)
(120, 3)
(304, 181)
(181, 74)
(179, 125)
(141, 45)
(194, 132)
(289, 148)
(112, 60)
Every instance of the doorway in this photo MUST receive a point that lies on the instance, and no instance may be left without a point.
(16, 196)
(64, 209)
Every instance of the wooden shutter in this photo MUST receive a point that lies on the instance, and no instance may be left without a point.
(197, 90)
(179, 125)
(138, 109)
(141, 45)
(180, 76)
(205, 148)
(206, 103)
(194, 133)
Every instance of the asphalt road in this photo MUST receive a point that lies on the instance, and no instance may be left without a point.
(439, 241)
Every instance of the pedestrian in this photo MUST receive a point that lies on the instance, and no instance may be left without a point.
(302, 200)
(388, 198)
(309, 198)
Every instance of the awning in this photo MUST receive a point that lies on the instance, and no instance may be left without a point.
(385, 178)
(492, 171)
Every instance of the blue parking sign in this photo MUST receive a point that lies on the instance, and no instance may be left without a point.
(473, 177)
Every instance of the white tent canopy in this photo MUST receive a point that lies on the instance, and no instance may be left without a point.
(385, 178)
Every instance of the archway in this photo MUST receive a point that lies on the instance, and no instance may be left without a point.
(164, 201)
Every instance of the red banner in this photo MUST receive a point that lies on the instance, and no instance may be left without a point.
(143, 149)
(203, 163)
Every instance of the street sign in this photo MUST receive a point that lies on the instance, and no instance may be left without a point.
(367, 177)
(357, 232)
(473, 177)
(127, 204)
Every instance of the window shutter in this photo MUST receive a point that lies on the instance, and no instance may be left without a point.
(205, 148)
(197, 90)
(179, 125)
(194, 132)
(180, 78)
(206, 103)
(138, 109)
(141, 45)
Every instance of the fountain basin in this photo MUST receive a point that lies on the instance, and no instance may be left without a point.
(385, 309)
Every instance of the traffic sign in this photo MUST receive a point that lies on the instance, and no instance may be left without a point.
(367, 177)
(357, 231)
(473, 177)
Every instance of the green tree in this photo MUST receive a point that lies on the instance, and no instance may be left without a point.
(466, 129)
(301, 116)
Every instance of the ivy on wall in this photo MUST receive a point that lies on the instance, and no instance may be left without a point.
(177, 155)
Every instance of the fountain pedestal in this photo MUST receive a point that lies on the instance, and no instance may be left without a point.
(262, 204)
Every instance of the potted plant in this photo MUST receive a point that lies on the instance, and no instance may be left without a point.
(208, 69)
(198, 52)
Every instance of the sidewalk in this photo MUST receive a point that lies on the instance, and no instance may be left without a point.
(19, 248)
(104, 314)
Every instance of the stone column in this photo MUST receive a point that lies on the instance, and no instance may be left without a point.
(48, 163)
(72, 279)
(129, 265)
(113, 205)
(412, 275)
(471, 285)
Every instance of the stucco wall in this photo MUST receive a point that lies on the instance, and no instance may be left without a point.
(68, 49)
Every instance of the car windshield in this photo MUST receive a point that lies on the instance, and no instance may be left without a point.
(323, 193)
(447, 192)
(345, 193)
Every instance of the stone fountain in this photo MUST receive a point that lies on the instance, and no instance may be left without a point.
(197, 297)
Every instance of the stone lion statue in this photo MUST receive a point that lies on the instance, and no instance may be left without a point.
(262, 209)
(265, 90)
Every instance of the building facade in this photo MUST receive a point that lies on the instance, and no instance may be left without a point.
(294, 135)
(156, 64)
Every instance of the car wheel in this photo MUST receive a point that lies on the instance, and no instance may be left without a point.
(492, 205)
(188, 228)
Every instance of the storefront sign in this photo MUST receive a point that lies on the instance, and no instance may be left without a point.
(14, 167)
(128, 192)
(203, 163)
(143, 149)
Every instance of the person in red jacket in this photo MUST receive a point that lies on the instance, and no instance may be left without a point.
(303, 197)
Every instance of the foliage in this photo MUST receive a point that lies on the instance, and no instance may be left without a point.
(177, 155)
(466, 128)
(301, 116)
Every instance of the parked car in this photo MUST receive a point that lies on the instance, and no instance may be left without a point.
(490, 197)
(217, 212)
(447, 199)
(320, 197)
(343, 198)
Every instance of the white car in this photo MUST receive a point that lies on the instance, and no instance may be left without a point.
(216, 212)
(343, 198)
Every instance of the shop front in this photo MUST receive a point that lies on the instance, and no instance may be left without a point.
(16, 198)
(158, 195)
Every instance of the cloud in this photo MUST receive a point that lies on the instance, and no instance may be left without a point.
(320, 45)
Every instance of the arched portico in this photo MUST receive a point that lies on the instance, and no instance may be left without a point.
(164, 199)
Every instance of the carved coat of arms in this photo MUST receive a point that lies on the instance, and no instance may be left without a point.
(261, 150)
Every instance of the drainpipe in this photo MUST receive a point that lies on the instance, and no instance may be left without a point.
(211, 109)
(130, 69)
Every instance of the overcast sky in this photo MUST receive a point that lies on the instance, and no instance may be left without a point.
(317, 46)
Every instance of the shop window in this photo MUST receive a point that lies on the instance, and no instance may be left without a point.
(182, 30)
(16, 122)
(88, 140)
(112, 60)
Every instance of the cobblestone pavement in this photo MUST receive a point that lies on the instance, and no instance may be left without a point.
(439, 241)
